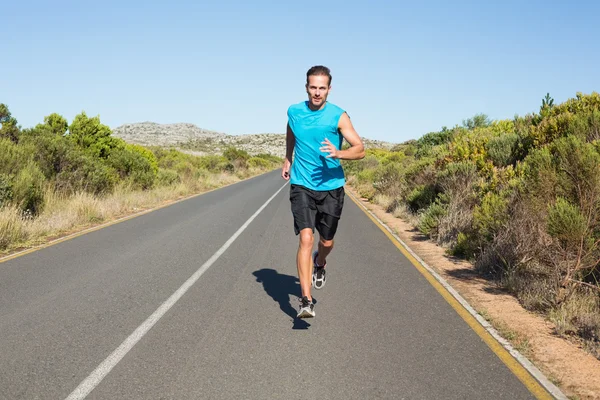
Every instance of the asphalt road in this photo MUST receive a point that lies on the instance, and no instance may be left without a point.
(381, 330)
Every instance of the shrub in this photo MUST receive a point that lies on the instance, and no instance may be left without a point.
(465, 246)
(134, 163)
(212, 163)
(84, 172)
(233, 154)
(389, 179)
(167, 177)
(491, 216)
(502, 149)
(421, 197)
(430, 219)
(28, 189)
(13, 156)
(257, 162)
(5, 190)
(410, 151)
(269, 158)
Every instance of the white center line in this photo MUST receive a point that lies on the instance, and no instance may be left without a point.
(113, 359)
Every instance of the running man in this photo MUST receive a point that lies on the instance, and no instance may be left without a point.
(315, 132)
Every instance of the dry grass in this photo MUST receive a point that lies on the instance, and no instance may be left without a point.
(66, 214)
(579, 316)
(383, 200)
(12, 227)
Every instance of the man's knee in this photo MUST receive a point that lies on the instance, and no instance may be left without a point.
(326, 243)
(306, 237)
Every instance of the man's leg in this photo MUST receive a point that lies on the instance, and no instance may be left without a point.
(304, 262)
(325, 247)
(329, 211)
(326, 226)
(304, 211)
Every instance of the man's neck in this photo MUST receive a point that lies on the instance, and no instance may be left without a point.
(315, 108)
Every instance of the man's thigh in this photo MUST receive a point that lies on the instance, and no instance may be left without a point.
(304, 209)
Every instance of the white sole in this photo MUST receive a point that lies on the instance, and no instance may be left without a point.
(306, 314)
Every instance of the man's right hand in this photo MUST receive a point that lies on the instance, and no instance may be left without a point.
(285, 170)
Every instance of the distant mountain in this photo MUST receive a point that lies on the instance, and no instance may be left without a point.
(192, 139)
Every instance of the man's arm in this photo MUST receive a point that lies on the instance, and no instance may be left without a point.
(290, 142)
(356, 150)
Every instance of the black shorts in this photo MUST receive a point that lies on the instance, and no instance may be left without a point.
(317, 209)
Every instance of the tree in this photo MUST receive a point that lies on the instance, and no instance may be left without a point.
(478, 121)
(547, 102)
(57, 123)
(9, 127)
(91, 135)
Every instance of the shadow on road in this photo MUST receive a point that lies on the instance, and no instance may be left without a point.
(280, 287)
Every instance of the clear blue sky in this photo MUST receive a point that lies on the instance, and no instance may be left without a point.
(399, 68)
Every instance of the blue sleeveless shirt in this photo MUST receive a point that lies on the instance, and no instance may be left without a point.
(310, 167)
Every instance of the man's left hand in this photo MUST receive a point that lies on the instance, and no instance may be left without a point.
(329, 148)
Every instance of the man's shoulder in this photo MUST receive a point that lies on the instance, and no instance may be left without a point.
(335, 107)
(297, 107)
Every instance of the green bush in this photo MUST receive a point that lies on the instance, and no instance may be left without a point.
(421, 172)
(388, 178)
(28, 189)
(393, 157)
(566, 223)
(53, 153)
(578, 168)
(213, 163)
(233, 154)
(456, 176)
(436, 138)
(502, 149)
(366, 176)
(585, 126)
(167, 177)
(225, 166)
(256, 162)
(185, 168)
(5, 190)
(13, 156)
(465, 246)
(270, 158)
(430, 219)
(421, 197)
(540, 179)
(135, 164)
(491, 216)
(84, 172)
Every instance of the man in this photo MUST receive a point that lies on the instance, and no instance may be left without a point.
(315, 132)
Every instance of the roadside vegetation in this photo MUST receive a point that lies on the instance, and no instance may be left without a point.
(57, 177)
(520, 198)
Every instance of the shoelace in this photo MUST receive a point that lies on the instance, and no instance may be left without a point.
(304, 304)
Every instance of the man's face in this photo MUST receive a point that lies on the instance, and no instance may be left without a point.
(317, 89)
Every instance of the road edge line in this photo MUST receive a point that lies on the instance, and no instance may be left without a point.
(535, 381)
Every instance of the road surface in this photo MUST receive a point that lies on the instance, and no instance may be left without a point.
(105, 315)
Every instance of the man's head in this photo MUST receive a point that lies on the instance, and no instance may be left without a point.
(318, 84)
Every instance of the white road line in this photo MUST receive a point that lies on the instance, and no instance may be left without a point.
(113, 359)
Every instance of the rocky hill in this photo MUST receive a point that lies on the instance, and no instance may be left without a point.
(192, 139)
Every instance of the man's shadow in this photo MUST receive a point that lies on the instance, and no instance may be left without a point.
(320, 177)
(279, 287)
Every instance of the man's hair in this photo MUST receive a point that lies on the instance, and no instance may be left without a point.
(319, 70)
